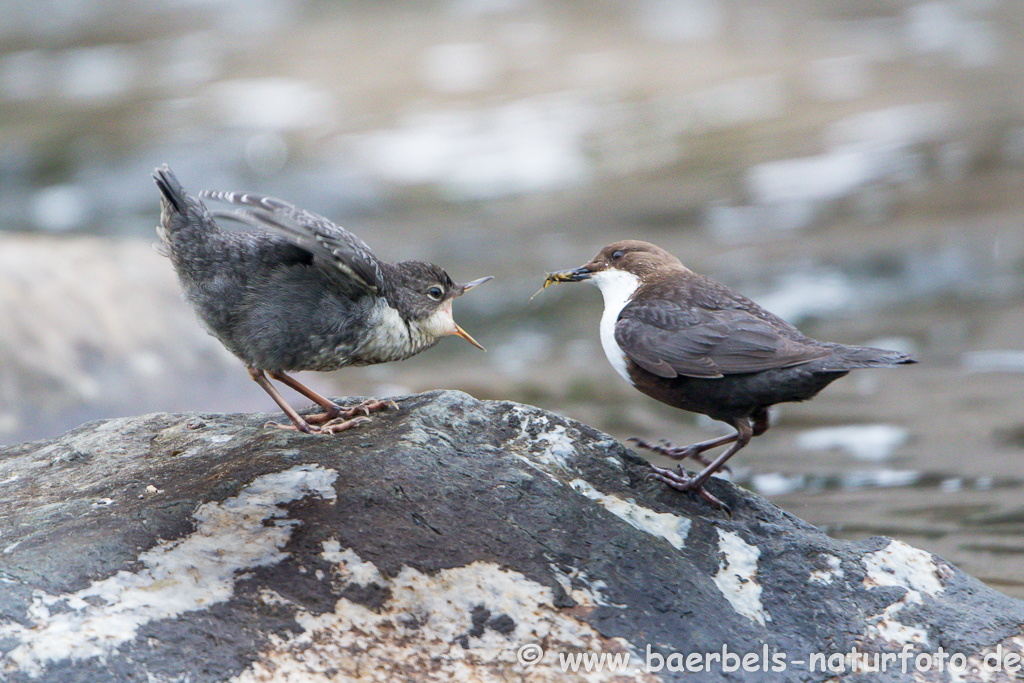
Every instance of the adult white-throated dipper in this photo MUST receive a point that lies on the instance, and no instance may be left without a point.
(693, 343)
(301, 293)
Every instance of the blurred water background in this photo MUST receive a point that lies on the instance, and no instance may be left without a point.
(855, 167)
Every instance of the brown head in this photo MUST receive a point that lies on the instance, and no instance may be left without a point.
(640, 259)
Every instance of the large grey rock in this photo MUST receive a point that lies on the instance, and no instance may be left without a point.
(435, 544)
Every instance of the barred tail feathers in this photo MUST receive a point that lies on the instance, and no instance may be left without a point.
(854, 357)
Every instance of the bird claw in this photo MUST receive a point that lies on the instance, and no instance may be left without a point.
(677, 480)
(685, 482)
(367, 407)
(364, 409)
(342, 424)
(334, 426)
(310, 429)
(337, 419)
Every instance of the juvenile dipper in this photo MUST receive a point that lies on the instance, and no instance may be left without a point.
(694, 344)
(301, 293)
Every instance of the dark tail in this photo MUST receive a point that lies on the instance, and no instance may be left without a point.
(854, 357)
(180, 214)
(174, 194)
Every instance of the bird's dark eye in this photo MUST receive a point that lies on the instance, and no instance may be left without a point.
(435, 293)
(616, 255)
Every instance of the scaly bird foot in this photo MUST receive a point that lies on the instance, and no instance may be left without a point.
(334, 426)
(365, 409)
(342, 424)
(681, 481)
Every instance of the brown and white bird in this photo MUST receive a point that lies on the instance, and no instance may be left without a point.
(694, 344)
(301, 293)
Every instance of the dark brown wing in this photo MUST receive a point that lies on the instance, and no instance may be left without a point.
(669, 339)
(332, 246)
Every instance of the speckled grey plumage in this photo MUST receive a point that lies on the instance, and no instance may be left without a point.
(298, 292)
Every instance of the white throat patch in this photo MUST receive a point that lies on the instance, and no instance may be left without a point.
(617, 286)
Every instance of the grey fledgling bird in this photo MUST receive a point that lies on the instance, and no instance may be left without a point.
(301, 293)
(694, 344)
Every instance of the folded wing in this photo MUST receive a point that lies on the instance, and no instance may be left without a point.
(669, 340)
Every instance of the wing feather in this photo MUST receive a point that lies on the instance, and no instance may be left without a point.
(333, 247)
(669, 340)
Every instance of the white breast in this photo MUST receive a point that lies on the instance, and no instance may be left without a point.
(387, 337)
(617, 286)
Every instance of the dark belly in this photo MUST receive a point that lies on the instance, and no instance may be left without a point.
(734, 395)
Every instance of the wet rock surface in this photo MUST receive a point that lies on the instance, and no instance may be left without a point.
(445, 540)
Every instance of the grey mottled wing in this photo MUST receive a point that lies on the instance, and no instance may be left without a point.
(332, 246)
(669, 340)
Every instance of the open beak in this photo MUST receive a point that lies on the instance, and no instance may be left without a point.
(465, 335)
(574, 275)
(470, 285)
(462, 289)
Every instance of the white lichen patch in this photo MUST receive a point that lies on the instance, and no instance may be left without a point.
(549, 444)
(886, 626)
(904, 566)
(826, 576)
(558, 446)
(352, 568)
(188, 574)
(996, 663)
(584, 590)
(899, 564)
(615, 462)
(737, 576)
(672, 528)
(272, 597)
(425, 631)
